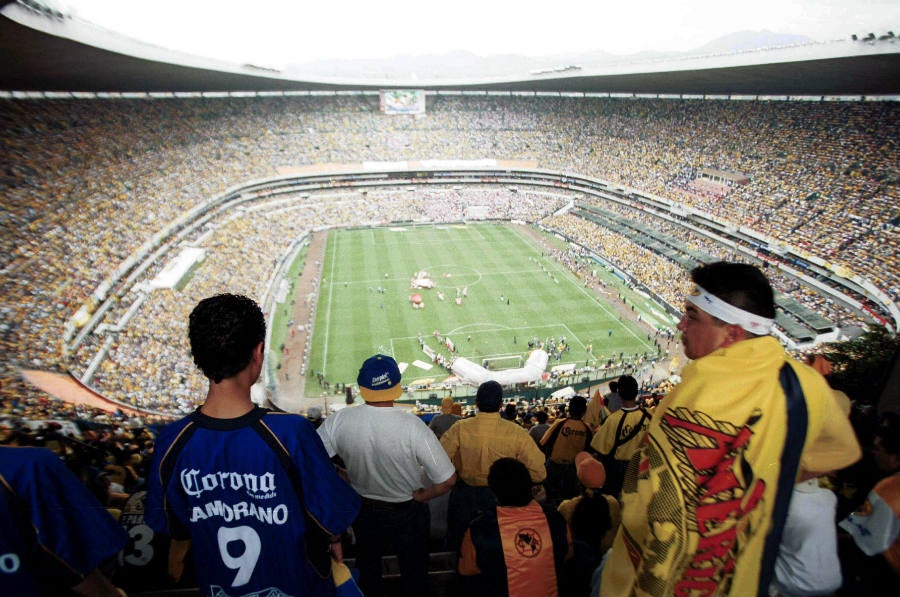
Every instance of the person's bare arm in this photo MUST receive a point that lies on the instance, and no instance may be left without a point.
(178, 549)
(96, 584)
(423, 494)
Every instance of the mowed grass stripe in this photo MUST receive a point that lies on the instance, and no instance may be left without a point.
(364, 304)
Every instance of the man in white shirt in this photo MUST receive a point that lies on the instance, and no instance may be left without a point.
(396, 463)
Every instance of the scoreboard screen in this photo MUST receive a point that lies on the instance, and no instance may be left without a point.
(403, 101)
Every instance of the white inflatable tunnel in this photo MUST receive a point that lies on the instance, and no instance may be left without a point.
(474, 374)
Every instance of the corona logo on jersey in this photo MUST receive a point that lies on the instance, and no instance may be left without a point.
(722, 498)
(567, 431)
(258, 487)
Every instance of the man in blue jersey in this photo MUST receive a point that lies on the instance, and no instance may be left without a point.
(245, 489)
(54, 534)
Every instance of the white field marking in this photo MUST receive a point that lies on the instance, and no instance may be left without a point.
(427, 242)
(570, 332)
(484, 327)
(328, 310)
(495, 327)
(537, 251)
(573, 281)
(433, 269)
(640, 339)
(481, 275)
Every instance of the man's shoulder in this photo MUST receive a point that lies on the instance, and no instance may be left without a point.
(460, 426)
(343, 416)
(282, 418)
(614, 416)
(400, 416)
(288, 424)
(576, 422)
(810, 379)
(444, 419)
(554, 516)
(363, 415)
(171, 430)
(512, 429)
(178, 423)
(468, 421)
(20, 458)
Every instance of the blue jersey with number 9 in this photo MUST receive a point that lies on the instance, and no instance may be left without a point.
(226, 490)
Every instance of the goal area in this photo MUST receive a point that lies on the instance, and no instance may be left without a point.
(500, 363)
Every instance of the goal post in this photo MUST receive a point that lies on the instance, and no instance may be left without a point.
(498, 363)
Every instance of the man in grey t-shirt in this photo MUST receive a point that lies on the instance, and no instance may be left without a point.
(442, 422)
(397, 465)
(538, 431)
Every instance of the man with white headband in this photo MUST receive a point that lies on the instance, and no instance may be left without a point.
(705, 497)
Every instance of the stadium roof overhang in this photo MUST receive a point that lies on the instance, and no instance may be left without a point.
(41, 57)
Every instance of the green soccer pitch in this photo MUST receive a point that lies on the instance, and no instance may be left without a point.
(514, 293)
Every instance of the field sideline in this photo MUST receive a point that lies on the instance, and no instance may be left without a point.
(514, 293)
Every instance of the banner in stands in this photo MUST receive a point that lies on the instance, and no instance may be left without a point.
(403, 101)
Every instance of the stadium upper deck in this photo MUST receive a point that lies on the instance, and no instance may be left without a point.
(46, 50)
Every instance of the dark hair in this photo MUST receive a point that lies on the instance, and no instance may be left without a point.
(890, 420)
(510, 481)
(489, 397)
(577, 406)
(628, 387)
(511, 411)
(890, 441)
(591, 519)
(541, 416)
(224, 330)
(738, 284)
(613, 386)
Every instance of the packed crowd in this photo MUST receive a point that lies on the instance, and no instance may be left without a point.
(587, 483)
(244, 251)
(111, 456)
(656, 270)
(86, 183)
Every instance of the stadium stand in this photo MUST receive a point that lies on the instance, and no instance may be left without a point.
(88, 185)
(88, 182)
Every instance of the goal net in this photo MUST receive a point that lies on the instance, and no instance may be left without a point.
(502, 362)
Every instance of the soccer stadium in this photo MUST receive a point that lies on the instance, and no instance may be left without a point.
(536, 230)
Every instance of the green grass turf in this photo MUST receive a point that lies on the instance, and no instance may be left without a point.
(355, 319)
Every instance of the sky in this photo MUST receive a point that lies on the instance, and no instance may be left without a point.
(278, 32)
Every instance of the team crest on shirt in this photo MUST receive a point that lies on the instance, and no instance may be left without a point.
(720, 496)
(528, 542)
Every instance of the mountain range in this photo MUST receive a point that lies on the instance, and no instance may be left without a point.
(463, 64)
